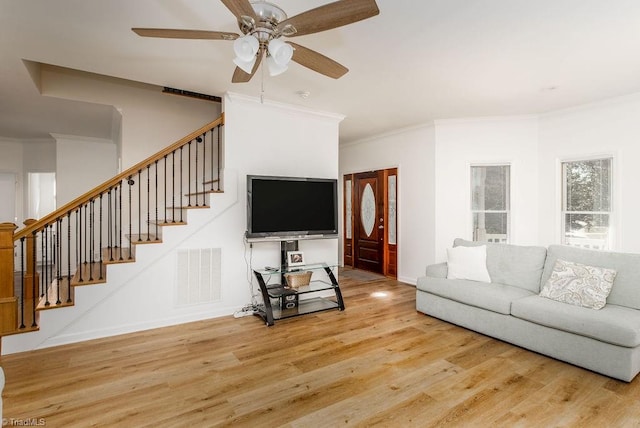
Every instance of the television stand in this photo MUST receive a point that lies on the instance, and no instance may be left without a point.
(281, 301)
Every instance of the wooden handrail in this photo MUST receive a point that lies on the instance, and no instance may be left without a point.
(81, 200)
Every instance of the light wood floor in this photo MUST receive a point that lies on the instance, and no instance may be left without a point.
(379, 363)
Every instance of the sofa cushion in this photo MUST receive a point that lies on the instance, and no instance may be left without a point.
(491, 296)
(626, 286)
(517, 265)
(613, 324)
(468, 263)
(578, 284)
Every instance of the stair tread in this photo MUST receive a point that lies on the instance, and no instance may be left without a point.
(115, 255)
(57, 297)
(189, 207)
(90, 273)
(144, 238)
(168, 222)
(204, 192)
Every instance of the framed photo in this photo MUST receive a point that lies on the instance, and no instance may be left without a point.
(295, 258)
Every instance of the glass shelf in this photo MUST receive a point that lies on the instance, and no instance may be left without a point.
(310, 266)
(277, 290)
(280, 301)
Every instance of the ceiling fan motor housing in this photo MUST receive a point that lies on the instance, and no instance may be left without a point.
(269, 16)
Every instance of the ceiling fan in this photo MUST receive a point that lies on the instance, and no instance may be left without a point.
(263, 24)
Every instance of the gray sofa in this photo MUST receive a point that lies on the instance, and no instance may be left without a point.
(606, 341)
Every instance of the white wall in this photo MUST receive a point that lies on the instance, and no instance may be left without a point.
(267, 138)
(461, 143)
(412, 152)
(11, 161)
(611, 127)
(82, 163)
(277, 139)
(151, 120)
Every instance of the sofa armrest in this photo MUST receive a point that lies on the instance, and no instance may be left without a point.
(438, 270)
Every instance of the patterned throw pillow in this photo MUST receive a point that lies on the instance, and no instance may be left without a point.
(578, 284)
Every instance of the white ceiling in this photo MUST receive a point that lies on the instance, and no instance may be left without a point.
(416, 62)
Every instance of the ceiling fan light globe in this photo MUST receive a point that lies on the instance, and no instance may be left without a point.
(274, 68)
(280, 52)
(246, 47)
(246, 66)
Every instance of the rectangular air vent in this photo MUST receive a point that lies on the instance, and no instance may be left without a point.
(199, 276)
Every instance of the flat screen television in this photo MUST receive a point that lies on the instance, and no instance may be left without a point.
(291, 207)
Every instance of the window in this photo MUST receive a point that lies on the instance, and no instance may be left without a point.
(490, 205)
(586, 203)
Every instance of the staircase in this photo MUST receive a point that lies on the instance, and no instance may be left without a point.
(42, 263)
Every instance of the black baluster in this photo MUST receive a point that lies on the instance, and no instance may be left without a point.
(109, 226)
(189, 175)
(86, 233)
(204, 162)
(198, 140)
(181, 185)
(43, 282)
(59, 257)
(91, 236)
(34, 285)
(100, 235)
(45, 270)
(173, 187)
(130, 182)
(156, 192)
(69, 257)
(219, 154)
(139, 204)
(22, 290)
(149, 202)
(165, 190)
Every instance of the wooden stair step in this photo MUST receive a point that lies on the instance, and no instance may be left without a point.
(58, 295)
(187, 207)
(144, 238)
(90, 273)
(115, 255)
(204, 192)
(168, 222)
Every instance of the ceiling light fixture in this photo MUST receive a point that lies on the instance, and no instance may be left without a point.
(280, 54)
(246, 48)
(261, 36)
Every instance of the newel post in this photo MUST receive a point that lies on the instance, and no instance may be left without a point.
(30, 271)
(8, 300)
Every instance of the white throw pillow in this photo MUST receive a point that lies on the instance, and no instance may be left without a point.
(578, 284)
(468, 263)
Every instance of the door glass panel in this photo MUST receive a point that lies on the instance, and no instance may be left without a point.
(368, 210)
(348, 212)
(391, 203)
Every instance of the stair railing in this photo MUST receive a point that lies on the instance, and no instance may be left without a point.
(72, 245)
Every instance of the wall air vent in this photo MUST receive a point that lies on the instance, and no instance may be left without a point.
(199, 276)
(182, 92)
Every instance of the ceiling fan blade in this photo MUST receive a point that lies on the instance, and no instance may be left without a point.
(240, 8)
(329, 16)
(317, 62)
(240, 76)
(184, 34)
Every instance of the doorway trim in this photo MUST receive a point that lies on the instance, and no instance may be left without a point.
(388, 178)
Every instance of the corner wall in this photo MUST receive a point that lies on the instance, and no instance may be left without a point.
(412, 151)
(461, 143)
